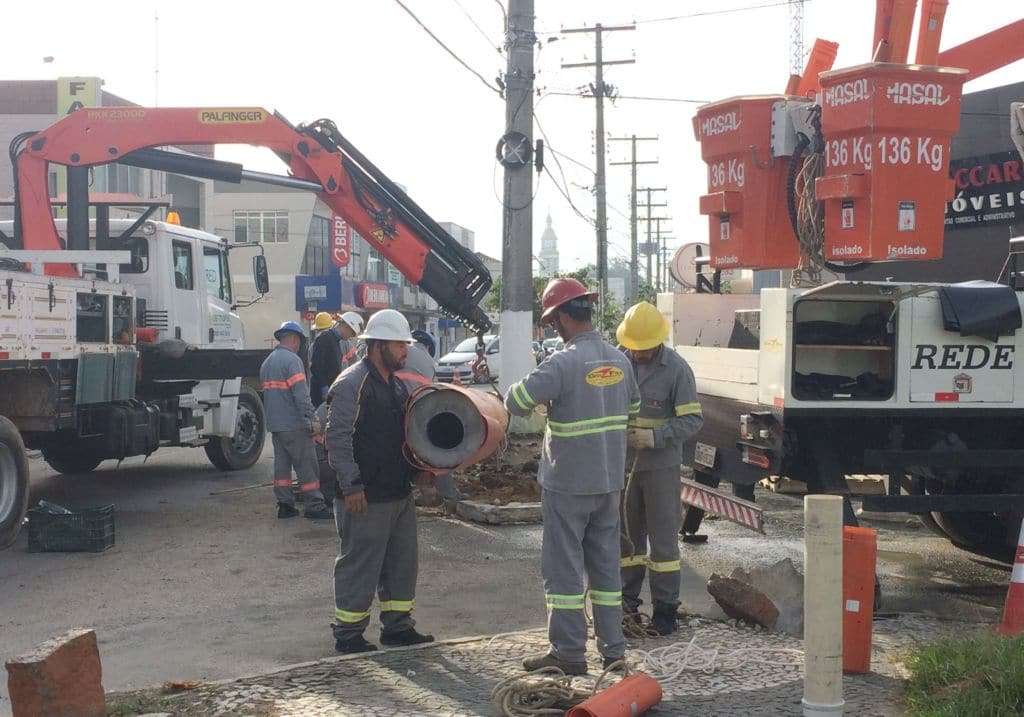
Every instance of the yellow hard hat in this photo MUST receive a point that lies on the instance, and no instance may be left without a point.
(642, 328)
(322, 321)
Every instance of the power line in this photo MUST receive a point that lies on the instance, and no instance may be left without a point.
(492, 43)
(448, 49)
(571, 159)
(705, 13)
(633, 97)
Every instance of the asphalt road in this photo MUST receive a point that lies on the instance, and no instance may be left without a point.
(203, 586)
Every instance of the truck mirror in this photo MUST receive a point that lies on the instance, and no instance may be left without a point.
(260, 274)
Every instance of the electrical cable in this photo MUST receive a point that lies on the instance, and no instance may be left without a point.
(724, 11)
(448, 49)
(494, 45)
(632, 97)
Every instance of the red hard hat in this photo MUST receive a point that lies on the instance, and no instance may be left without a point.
(559, 291)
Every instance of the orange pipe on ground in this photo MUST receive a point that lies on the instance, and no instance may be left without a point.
(987, 52)
(883, 22)
(632, 696)
(860, 552)
(929, 31)
(823, 54)
(900, 29)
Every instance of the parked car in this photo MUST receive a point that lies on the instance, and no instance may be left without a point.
(553, 344)
(459, 361)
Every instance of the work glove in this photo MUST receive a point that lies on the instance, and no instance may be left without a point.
(355, 503)
(640, 438)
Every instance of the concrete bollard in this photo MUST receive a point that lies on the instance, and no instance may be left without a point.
(823, 605)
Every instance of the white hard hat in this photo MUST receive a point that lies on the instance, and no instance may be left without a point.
(387, 325)
(354, 321)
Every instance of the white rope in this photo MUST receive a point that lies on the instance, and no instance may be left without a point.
(670, 662)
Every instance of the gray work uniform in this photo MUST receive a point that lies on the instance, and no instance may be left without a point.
(378, 551)
(590, 392)
(420, 370)
(651, 508)
(289, 415)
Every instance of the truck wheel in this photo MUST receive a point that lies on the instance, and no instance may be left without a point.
(13, 482)
(244, 448)
(70, 463)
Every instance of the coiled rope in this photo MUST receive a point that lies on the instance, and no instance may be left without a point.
(547, 691)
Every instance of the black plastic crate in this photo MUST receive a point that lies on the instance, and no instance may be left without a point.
(89, 530)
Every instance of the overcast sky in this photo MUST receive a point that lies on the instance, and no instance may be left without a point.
(430, 124)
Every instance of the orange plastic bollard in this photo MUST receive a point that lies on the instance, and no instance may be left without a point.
(634, 695)
(1013, 608)
(823, 54)
(860, 552)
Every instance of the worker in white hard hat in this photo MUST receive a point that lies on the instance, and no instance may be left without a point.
(376, 515)
(334, 350)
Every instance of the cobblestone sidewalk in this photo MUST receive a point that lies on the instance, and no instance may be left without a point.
(456, 677)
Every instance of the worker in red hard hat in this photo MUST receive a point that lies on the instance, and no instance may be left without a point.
(590, 392)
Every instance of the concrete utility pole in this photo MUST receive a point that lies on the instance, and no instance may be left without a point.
(659, 248)
(517, 221)
(631, 288)
(600, 90)
(648, 249)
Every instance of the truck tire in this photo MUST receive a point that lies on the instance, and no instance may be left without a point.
(244, 448)
(13, 482)
(70, 463)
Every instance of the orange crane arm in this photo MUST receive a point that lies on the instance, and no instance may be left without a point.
(319, 158)
(987, 53)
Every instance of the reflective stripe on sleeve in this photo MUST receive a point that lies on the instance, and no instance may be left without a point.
(633, 561)
(606, 598)
(635, 407)
(564, 602)
(311, 486)
(522, 397)
(350, 616)
(397, 605)
(294, 379)
(283, 482)
(666, 566)
(275, 385)
(688, 409)
(570, 429)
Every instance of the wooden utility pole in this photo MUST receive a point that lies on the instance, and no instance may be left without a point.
(632, 286)
(600, 90)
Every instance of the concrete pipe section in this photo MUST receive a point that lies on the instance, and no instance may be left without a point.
(449, 427)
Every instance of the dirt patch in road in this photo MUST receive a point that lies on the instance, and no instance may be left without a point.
(509, 476)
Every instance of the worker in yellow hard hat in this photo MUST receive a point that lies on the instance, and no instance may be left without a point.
(323, 321)
(669, 417)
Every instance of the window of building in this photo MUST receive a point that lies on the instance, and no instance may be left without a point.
(317, 258)
(91, 318)
(261, 226)
(218, 280)
(182, 256)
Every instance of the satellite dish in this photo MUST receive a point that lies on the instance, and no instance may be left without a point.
(683, 267)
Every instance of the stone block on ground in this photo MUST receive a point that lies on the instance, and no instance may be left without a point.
(62, 676)
(741, 601)
(783, 584)
(498, 514)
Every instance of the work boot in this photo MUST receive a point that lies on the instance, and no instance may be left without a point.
(321, 513)
(531, 664)
(664, 618)
(607, 662)
(405, 638)
(354, 645)
(286, 511)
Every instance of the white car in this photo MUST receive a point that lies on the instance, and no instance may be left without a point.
(459, 361)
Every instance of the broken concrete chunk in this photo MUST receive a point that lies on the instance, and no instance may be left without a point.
(784, 586)
(499, 514)
(62, 677)
(743, 602)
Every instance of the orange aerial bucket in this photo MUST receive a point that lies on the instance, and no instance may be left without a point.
(632, 696)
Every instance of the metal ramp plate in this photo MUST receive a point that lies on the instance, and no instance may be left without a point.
(739, 511)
